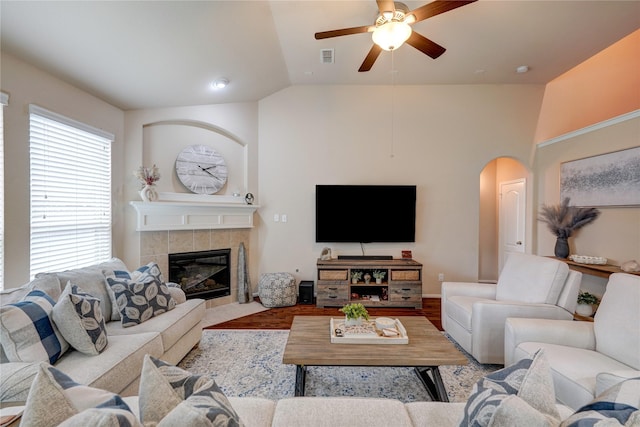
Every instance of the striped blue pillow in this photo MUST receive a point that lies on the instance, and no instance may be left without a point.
(27, 332)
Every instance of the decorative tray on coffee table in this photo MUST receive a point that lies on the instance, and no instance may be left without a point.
(367, 333)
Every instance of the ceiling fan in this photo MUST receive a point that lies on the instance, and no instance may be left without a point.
(392, 28)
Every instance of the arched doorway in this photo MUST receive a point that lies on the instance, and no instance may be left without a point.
(491, 239)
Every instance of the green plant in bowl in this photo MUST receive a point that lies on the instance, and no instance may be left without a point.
(587, 298)
(355, 311)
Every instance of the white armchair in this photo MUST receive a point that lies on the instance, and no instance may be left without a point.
(474, 314)
(586, 358)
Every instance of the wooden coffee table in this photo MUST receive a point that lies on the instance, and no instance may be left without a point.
(309, 344)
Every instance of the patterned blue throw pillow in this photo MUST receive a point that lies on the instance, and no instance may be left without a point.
(79, 317)
(27, 332)
(171, 396)
(151, 268)
(617, 406)
(141, 297)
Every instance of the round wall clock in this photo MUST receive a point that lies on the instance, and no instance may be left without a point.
(201, 169)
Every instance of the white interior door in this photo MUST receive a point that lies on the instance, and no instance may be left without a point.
(512, 218)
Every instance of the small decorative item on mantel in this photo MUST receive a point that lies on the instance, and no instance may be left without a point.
(148, 177)
(586, 301)
(354, 314)
(563, 220)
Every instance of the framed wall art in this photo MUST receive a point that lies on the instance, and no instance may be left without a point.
(611, 179)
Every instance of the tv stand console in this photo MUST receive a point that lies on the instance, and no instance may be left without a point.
(400, 286)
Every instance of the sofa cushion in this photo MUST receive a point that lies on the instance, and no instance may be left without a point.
(172, 325)
(574, 383)
(340, 411)
(617, 406)
(49, 284)
(531, 279)
(16, 380)
(141, 297)
(459, 309)
(117, 366)
(27, 332)
(606, 380)
(440, 414)
(254, 411)
(79, 317)
(172, 396)
(617, 320)
(55, 398)
(91, 281)
(513, 395)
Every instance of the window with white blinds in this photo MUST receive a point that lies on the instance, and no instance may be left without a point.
(70, 192)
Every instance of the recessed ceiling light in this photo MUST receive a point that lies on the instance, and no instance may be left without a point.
(219, 84)
(522, 69)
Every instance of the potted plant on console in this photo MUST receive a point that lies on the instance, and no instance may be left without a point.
(355, 276)
(586, 301)
(379, 275)
(354, 314)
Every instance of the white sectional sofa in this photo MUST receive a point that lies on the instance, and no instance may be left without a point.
(168, 336)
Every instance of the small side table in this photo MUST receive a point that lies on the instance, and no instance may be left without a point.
(582, 318)
(16, 421)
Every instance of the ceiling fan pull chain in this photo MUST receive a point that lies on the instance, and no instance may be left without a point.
(393, 81)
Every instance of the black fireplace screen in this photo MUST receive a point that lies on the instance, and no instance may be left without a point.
(203, 274)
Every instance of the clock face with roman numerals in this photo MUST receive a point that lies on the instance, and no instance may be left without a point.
(201, 169)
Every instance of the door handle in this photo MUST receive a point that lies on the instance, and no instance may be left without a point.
(518, 242)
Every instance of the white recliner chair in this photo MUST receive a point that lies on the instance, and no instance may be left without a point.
(474, 314)
(586, 358)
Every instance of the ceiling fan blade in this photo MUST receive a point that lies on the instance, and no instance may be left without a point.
(370, 59)
(342, 32)
(386, 6)
(425, 45)
(436, 8)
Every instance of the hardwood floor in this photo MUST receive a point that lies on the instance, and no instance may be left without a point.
(281, 317)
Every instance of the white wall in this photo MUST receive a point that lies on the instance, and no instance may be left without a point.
(28, 85)
(443, 136)
(615, 235)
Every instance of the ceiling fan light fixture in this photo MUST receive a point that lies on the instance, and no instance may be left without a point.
(220, 83)
(391, 35)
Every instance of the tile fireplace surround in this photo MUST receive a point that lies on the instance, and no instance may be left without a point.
(157, 245)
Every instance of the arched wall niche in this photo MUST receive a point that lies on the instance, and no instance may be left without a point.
(495, 172)
(163, 140)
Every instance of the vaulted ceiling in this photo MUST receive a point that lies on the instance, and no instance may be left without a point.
(149, 54)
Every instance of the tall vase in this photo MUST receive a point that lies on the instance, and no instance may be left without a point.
(149, 193)
(562, 247)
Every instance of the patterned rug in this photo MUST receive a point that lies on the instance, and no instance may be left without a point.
(249, 363)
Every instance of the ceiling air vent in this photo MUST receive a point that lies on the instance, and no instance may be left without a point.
(326, 56)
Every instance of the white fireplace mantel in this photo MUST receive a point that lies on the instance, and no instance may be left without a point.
(193, 214)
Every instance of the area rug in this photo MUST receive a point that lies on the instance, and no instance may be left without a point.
(249, 363)
(234, 310)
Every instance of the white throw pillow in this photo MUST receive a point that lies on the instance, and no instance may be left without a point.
(55, 398)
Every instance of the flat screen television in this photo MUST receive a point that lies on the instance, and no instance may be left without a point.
(365, 213)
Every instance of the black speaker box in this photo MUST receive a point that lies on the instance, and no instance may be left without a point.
(305, 292)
